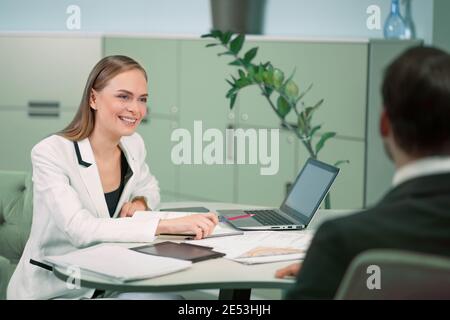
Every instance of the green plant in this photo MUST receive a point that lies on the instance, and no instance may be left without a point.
(274, 87)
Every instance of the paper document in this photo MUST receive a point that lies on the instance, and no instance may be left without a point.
(117, 263)
(222, 229)
(262, 246)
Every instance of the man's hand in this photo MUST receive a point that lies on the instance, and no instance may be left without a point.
(289, 271)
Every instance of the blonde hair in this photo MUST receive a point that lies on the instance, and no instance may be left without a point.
(82, 124)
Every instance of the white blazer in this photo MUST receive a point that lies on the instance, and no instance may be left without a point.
(70, 211)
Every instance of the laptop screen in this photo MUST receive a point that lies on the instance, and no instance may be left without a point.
(310, 188)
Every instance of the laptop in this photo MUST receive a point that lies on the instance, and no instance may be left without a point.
(298, 208)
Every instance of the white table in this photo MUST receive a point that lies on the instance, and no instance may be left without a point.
(235, 280)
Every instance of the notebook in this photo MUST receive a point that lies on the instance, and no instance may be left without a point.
(118, 264)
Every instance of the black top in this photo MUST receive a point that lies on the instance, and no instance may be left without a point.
(414, 216)
(112, 198)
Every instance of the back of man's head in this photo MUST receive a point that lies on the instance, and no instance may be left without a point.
(416, 97)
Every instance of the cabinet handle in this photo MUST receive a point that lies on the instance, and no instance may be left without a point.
(231, 116)
(174, 109)
(244, 117)
(43, 109)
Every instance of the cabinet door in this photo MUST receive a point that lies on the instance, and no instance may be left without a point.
(270, 190)
(52, 69)
(338, 72)
(348, 188)
(159, 59)
(20, 133)
(156, 134)
(202, 98)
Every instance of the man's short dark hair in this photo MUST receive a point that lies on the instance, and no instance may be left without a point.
(416, 97)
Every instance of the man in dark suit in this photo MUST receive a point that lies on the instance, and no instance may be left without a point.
(415, 214)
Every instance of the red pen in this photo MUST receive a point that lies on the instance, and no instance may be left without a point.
(241, 217)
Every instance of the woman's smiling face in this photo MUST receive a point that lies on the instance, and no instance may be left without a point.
(121, 105)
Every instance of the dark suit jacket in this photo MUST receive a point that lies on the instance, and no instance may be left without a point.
(414, 216)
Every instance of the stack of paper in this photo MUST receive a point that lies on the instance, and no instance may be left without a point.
(118, 263)
(262, 246)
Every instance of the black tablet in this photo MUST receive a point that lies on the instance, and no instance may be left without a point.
(183, 251)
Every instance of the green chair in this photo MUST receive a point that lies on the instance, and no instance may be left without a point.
(16, 210)
(402, 275)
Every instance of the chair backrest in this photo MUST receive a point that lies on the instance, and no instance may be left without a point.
(394, 275)
(16, 211)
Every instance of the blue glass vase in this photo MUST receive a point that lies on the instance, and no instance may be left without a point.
(395, 27)
(410, 29)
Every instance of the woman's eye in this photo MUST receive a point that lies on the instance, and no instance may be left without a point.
(123, 97)
(143, 100)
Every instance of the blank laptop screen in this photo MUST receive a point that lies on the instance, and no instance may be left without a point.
(309, 189)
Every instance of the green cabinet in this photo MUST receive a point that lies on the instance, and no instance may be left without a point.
(270, 190)
(202, 98)
(156, 133)
(45, 69)
(20, 132)
(338, 73)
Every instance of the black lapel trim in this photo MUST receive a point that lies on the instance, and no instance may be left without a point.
(42, 265)
(80, 160)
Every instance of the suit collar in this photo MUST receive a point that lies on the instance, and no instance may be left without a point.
(91, 178)
(434, 184)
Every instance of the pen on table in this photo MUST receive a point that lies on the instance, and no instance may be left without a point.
(241, 217)
(192, 236)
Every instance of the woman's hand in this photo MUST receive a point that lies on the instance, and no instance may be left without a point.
(201, 225)
(129, 208)
(289, 271)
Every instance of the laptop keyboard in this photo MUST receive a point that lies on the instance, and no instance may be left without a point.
(269, 217)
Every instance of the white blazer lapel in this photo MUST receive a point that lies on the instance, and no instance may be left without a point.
(91, 178)
(129, 179)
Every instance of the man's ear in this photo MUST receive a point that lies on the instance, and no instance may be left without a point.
(385, 124)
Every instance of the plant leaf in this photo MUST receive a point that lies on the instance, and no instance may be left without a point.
(237, 63)
(236, 44)
(226, 37)
(304, 92)
(323, 139)
(250, 54)
(314, 130)
(214, 34)
(283, 107)
(225, 53)
(338, 163)
(233, 101)
(301, 122)
(211, 45)
(241, 73)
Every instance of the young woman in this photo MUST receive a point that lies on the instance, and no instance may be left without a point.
(91, 178)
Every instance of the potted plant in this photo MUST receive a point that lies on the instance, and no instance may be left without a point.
(281, 93)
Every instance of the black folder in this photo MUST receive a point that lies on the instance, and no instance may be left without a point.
(183, 251)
